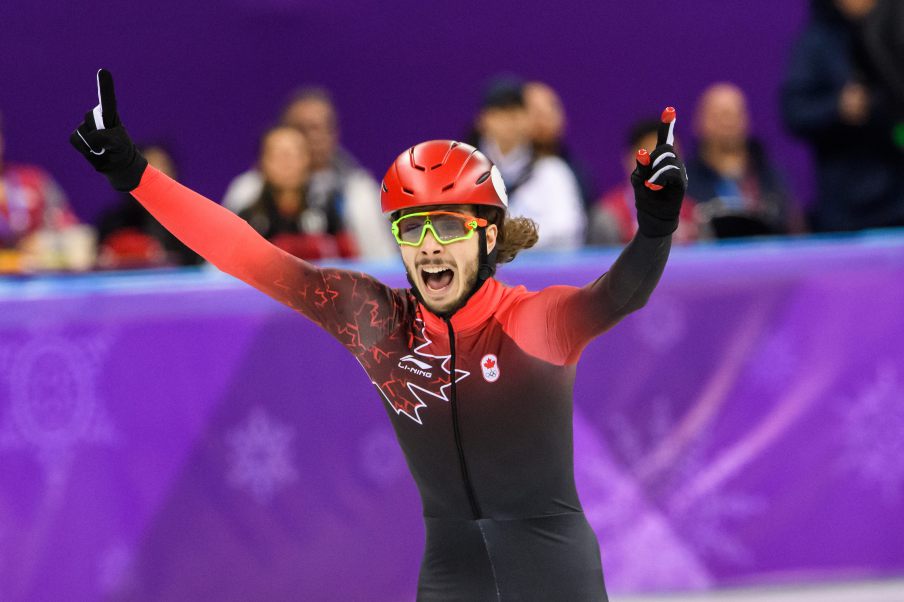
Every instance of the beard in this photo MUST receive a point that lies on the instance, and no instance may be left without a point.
(469, 279)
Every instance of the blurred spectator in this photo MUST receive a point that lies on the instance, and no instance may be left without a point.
(285, 212)
(38, 230)
(547, 132)
(542, 188)
(613, 220)
(834, 98)
(336, 178)
(131, 238)
(883, 39)
(738, 190)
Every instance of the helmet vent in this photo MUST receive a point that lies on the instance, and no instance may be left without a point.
(384, 187)
(413, 162)
(407, 191)
(435, 166)
(448, 187)
(483, 178)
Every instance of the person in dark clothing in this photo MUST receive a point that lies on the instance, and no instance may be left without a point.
(883, 42)
(736, 189)
(130, 238)
(834, 98)
(492, 457)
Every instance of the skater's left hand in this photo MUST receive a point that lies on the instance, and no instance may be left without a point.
(659, 182)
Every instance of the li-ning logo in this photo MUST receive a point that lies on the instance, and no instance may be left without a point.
(490, 367)
(421, 369)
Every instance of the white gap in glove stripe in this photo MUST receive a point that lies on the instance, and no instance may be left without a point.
(660, 172)
(99, 109)
(660, 158)
(670, 139)
(99, 117)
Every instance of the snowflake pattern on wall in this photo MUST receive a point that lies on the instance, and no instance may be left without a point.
(707, 523)
(53, 407)
(260, 456)
(872, 433)
(634, 529)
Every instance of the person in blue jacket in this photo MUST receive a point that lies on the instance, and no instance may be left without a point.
(833, 98)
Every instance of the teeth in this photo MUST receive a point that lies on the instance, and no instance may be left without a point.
(434, 270)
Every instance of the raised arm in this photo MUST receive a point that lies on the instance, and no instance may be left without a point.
(353, 307)
(659, 181)
(575, 315)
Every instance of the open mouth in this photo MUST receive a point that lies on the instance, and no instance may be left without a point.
(437, 279)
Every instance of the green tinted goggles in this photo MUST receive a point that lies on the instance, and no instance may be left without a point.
(447, 227)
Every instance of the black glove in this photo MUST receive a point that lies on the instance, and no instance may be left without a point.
(105, 143)
(659, 182)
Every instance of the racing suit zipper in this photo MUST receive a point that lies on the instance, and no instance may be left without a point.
(456, 429)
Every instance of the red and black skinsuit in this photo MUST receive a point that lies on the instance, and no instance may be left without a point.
(490, 449)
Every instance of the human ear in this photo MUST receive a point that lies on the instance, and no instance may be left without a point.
(491, 231)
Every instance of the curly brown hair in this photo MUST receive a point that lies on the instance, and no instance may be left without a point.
(515, 233)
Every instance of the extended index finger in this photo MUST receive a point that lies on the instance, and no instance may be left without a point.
(107, 99)
(666, 132)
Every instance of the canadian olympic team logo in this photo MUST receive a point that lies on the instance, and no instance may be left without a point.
(490, 367)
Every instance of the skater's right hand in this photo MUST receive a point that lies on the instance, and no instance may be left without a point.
(102, 140)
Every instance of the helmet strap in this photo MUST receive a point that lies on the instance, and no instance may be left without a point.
(486, 266)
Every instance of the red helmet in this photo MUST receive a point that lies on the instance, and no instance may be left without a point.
(442, 172)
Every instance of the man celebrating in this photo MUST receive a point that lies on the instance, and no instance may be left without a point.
(476, 376)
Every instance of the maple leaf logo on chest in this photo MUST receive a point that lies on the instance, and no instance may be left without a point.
(419, 376)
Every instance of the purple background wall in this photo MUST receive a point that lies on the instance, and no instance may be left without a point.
(182, 437)
(208, 77)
